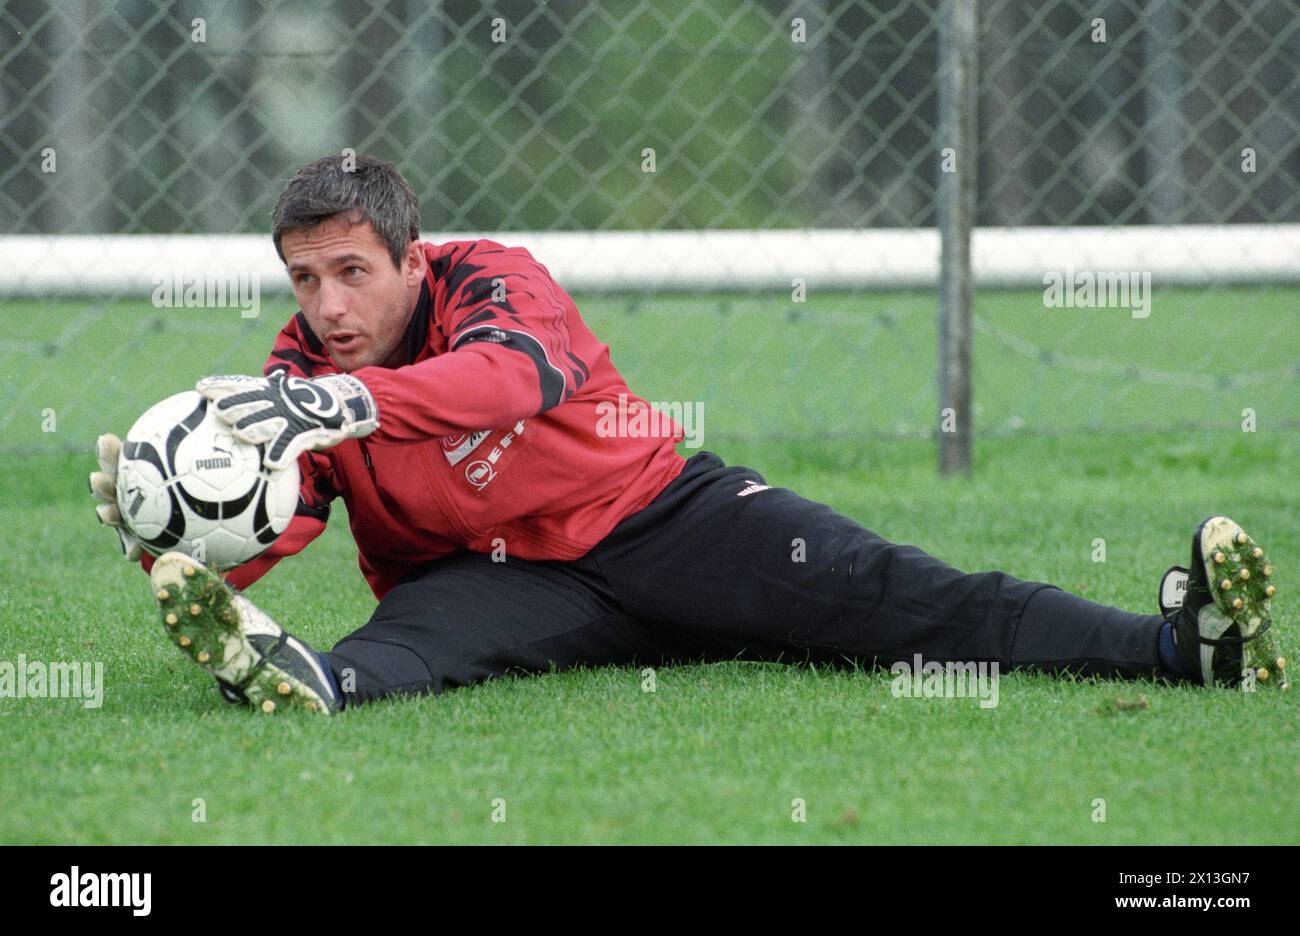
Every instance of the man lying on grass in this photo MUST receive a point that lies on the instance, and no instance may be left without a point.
(453, 397)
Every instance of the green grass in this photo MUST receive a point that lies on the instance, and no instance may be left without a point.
(835, 367)
(717, 753)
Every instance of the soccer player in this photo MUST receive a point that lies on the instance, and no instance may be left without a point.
(452, 395)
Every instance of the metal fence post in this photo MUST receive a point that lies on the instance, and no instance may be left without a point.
(958, 103)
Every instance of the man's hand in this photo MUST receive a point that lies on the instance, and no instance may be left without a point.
(292, 414)
(103, 486)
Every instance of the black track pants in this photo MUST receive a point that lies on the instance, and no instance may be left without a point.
(714, 569)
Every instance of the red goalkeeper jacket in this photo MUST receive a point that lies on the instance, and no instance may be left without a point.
(492, 434)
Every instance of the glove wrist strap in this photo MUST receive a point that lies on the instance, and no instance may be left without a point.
(357, 401)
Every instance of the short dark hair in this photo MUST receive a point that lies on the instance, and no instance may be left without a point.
(371, 190)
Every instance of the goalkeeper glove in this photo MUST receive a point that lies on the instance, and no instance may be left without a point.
(103, 486)
(292, 415)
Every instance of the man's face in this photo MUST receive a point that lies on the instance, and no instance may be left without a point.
(354, 299)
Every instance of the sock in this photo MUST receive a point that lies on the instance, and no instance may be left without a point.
(1170, 658)
(329, 673)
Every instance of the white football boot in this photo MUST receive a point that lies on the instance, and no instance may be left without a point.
(1221, 609)
(252, 659)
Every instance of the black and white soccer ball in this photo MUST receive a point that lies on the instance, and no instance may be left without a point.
(184, 483)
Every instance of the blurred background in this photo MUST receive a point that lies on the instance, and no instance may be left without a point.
(779, 264)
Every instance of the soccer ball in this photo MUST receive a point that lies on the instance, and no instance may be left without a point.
(185, 483)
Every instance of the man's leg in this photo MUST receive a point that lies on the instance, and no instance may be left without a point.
(453, 623)
(772, 574)
(464, 619)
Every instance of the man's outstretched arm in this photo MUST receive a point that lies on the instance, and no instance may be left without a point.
(510, 354)
(509, 357)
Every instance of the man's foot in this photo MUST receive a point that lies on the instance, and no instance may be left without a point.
(252, 659)
(1222, 624)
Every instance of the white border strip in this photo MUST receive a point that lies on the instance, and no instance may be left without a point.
(35, 265)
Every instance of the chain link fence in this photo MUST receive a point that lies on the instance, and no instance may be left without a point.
(1172, 116)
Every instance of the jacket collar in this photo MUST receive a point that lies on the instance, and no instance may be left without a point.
(417, 329)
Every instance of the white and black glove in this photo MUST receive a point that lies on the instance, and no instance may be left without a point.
(292, 415)
(103, 486)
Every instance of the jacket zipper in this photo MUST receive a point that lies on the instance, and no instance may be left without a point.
(370, 465)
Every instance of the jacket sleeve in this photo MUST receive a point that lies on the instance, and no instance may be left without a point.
(509, 354)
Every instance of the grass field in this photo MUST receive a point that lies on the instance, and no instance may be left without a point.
(718, 753)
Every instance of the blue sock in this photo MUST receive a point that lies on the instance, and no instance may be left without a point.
(329, 673)
(1170, 658)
